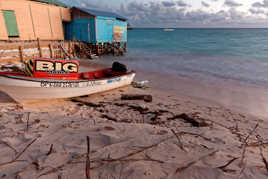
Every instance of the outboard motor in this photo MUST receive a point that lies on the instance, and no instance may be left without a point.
(119, 67)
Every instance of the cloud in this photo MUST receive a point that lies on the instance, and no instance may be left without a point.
(182, 4)
(205, 4)
(178, 13)
(263, 4)
(231, 3)
(168, 3)
(256, 11)
(157, 14)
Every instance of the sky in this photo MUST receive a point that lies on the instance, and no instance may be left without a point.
(185, 13)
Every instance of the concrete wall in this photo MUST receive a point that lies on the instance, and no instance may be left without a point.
(35, 20)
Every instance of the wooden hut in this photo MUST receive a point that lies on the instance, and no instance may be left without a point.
(96, 27)
(22, 20)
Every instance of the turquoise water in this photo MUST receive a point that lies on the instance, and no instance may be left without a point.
(209, 54)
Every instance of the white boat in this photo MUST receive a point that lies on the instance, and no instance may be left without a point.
(61, 81)
(169, 30)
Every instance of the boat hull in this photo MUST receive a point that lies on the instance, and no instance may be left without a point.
(24, 90)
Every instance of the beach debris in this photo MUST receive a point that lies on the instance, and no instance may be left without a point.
(223, 167)
(140, 84)
(146, 98)
(50, 150)
(242, 163)
(191, 163)
(28, 118)
(156, 115)
(12, 67)
(109, 117)
(260, 140)
(19, 154)
(180, 144)
(109, 128)
(88, 159)
(194, 121)
(8, 145)
(87, 103)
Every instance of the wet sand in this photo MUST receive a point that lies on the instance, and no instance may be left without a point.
(244, 98)
(178, 135)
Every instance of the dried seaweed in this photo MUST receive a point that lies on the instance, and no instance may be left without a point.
(189, 119)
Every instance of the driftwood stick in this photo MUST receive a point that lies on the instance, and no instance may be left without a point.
(88, 159)
(50, 150)
(18, 156)
(261, 152)
(257, 144)
(180, 169)
(109, 118)
(6, 144)
(24, 149)
(180, 144)
(245, 144)
(146, 98)
(28, 118)
(147, 158)
(75, 100)
(195, 134)
(223, 168)
(251, 132)
(190, 119)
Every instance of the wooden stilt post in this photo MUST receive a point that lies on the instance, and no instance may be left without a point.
(70, 48)
(51, 51)
(98, 49)
(39, 47)
(125, 47)
(21, 53)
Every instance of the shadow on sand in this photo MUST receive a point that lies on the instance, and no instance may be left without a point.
(5, 98)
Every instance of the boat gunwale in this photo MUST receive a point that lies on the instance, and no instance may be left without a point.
(10, 75)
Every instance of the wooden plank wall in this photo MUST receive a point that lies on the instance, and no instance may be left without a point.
(16, 53)
(35, 20)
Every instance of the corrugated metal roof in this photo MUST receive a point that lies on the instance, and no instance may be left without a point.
(54, 2)
(102, 13)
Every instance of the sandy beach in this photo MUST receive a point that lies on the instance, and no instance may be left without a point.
(174, 136)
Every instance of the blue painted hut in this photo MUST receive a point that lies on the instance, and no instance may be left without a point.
(95, 27)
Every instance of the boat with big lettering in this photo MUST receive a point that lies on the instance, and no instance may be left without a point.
(56, 78)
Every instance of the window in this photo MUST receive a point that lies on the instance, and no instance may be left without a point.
(11, 23)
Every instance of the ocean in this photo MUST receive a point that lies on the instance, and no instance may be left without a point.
(208, 54)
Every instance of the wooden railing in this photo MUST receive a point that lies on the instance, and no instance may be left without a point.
(19, 52)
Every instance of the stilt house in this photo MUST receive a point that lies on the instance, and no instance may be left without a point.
(95, 27)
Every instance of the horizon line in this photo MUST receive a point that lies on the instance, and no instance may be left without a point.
(199, 27)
